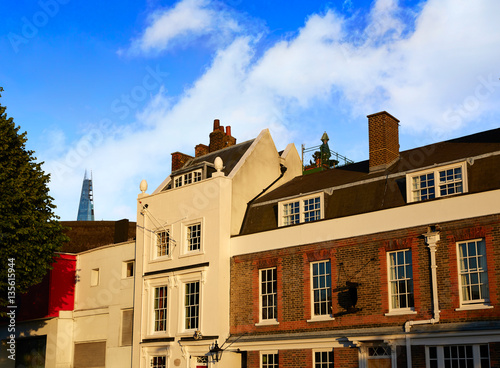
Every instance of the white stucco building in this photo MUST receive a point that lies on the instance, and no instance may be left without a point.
(183, 240)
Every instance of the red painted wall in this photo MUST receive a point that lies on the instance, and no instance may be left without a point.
(55, 293)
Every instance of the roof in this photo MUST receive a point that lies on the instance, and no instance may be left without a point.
(230, 157)
(352, 189)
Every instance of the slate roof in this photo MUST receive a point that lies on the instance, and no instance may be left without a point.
(356, 190)
(230, 157)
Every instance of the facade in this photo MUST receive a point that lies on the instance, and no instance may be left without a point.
(184, 234)
(81, 314)
(391, 262)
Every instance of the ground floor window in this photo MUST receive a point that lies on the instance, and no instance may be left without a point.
(159, 362)
(379, 357)
(323, 359)
(269, 360)
(459, 356)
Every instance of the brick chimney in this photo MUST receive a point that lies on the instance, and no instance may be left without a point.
(219, 138)
(383, 134)
(201, 150)
(179, 159)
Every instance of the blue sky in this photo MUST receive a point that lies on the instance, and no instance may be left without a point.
(117, 86)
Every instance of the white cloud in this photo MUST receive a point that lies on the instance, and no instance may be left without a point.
(437, 76)
(186, 21)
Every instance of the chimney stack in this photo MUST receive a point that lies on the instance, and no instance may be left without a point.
(383, 133)
(219, 138)
(178, 160)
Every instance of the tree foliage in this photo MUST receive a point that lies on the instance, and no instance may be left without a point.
(30, 232)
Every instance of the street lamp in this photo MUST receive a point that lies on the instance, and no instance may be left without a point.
(216, 352)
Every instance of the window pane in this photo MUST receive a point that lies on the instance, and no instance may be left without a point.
(269, 292)
(400, 279)
(321, 288)
(473, 272)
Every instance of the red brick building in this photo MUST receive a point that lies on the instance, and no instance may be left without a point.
(390, 262)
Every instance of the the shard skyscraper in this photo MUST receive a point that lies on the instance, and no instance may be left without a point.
(86, 208)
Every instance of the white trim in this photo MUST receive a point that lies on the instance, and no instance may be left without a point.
(300, 200)
(473, 304)
(150, 286)
(154, 257)
(183, 178)
(268, 352)
(269, 321)
(184, 241)
(435, 170)
(95, 277)
(319, 317)
(399, 311)
(183, 281)
(314, 351)
(124, 269)
(440, 358)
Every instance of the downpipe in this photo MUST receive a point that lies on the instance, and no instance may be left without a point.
(431, 238)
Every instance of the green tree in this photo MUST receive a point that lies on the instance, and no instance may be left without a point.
(30, 232)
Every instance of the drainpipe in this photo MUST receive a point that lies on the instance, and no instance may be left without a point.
(283, 171)
(431, 238)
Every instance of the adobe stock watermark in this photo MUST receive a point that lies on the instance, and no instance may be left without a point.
(122, 107)
(483, 91)
(11, 308)
(31, 25)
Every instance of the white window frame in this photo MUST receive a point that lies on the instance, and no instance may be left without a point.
(268, 321)
(188, 178)
(95, 276)
(183, 281)
(440, 358)
(151, 286)
(473, 303)
(125, 269)
(437, 182)
(148, 353)
(398, 310)
(185, 246)
(165, 308)
(301, 203)
(269, 352)
(155, 244)
(329, 364)
(364, 354)
(320, 317)
(152, 357)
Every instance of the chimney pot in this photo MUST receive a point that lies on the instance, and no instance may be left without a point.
(228, 130)
(216, 124)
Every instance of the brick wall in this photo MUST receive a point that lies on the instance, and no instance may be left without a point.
(363, 261)
(179, 159)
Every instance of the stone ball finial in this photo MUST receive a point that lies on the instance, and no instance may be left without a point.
(218, 164)
(143, 186)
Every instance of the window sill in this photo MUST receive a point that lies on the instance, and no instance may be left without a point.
(161, 259)
(191, 253)
(469, 307)
(272, 322)
(400, 312)
(321, 318)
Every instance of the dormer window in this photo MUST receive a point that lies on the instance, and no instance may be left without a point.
(439, 182)
(188, 178)
(305, 209)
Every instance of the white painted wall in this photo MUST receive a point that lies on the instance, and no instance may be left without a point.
(98, 309)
